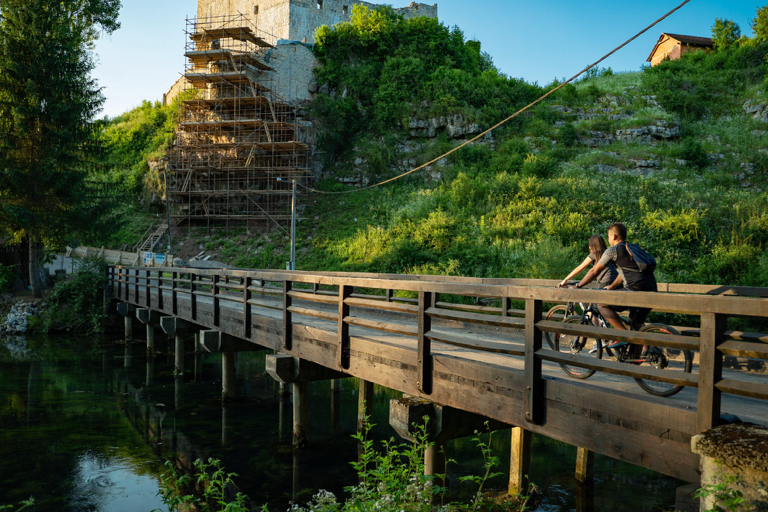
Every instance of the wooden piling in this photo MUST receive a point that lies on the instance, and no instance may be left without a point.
(300, 414)
(364, 402)
(228, 375)
(585, 465)
(434, 460)
(128, 327)
(179, 354)
(520, 460)
(150, 340)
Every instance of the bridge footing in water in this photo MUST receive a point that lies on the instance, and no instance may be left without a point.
(298, 372)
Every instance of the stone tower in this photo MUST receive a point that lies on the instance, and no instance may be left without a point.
(296, 20)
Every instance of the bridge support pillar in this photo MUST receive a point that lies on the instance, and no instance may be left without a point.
(289, 370)
(179, 329)
(443, 423)
(228, 374)
(585, 465)
(364, 402)
(335, 402)
(215, 342)
(300, 414)
(149, 318)
(127, 310)
(519, 460)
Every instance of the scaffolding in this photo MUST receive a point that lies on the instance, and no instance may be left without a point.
(236, 135)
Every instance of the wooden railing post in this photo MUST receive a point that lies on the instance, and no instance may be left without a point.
(247, 307)
(136, 286)
(287, 316)
(160, 304)
(506, 305)
(713, 326)
(533, 395)
(389, 295)
(192, 296)
(424, 347)
(147, 280)
(215, 290)
(174, 303)
(119, 282)
(342, 349)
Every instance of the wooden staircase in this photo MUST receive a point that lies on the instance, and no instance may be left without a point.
(151, 238)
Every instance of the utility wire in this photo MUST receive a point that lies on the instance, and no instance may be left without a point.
(476, 137)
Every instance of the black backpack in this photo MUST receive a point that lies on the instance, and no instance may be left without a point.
(644, 261)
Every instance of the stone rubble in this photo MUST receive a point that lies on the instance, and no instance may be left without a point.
(17, 320)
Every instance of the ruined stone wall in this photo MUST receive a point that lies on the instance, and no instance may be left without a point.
(297, 19)
(176, 89)
(271, 17)
(294, 64)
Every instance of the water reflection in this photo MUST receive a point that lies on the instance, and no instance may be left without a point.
(114, 484)
(85, 426)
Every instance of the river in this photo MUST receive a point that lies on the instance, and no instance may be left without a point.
(87, 423)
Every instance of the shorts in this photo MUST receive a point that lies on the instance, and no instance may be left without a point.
(636, 315)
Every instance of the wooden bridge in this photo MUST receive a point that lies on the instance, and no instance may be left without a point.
(476, 345)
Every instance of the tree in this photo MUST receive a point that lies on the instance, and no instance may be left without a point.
(760, 24)
(725, 33)
(47, 103)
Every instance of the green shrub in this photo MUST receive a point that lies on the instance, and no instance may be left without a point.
(693, 152)
(567, 135)
(540, 166)
(75, 304)
(7, 278)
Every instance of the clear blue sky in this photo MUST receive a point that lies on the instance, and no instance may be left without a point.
(534, 40)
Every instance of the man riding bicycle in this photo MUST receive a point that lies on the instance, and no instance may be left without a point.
(630, 274)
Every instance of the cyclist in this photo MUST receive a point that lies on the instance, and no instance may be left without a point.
(596, 249)
(630, 276)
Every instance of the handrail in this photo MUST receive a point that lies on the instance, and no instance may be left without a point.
(430, 320)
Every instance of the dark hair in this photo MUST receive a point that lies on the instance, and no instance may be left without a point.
(620, 229)
(597, 246)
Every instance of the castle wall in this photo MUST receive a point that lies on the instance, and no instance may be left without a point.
(294, 65)
(272, 17)
(297, 20)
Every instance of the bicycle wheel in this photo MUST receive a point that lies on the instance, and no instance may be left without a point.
(556, 313)
(671, 359)
(577, 345)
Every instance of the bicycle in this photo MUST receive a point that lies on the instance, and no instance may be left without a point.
(657, 357)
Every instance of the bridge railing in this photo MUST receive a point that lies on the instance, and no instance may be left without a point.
(408, 314)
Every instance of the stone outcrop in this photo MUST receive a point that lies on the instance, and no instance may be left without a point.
(757, 110)
(648, 134)
(455, 126)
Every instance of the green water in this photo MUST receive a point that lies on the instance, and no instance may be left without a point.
(86, 424)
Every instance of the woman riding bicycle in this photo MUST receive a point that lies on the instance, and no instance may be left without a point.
(597, 247)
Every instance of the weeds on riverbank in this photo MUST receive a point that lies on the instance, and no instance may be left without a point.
(390, 479)
(21, 505)
(394, 479)
(212, 485)
(75, 304)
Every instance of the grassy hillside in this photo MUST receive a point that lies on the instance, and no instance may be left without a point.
(671, 151)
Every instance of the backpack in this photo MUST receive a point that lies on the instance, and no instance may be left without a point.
(645, 262)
